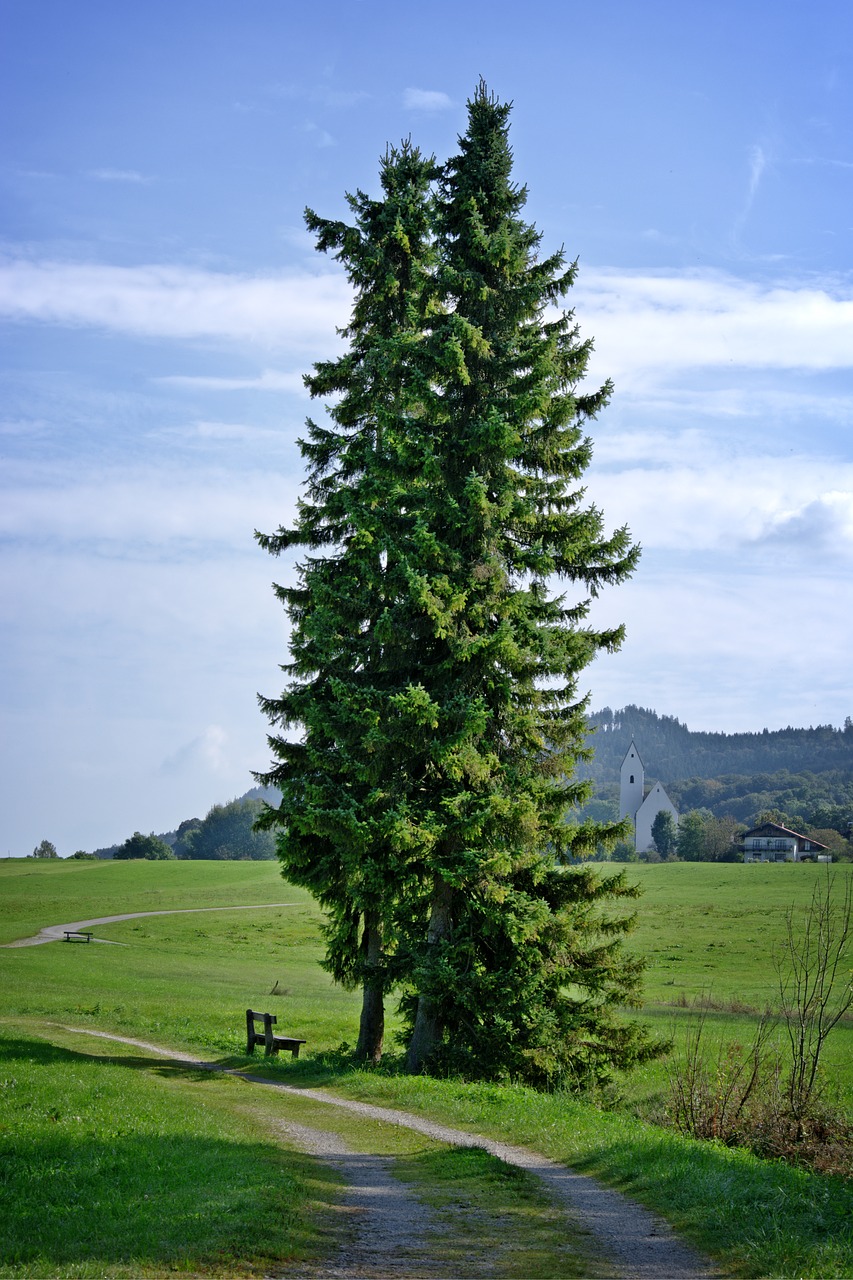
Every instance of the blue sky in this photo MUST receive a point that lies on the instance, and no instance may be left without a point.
(160, 300)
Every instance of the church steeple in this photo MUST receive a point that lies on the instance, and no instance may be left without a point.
(631, 782)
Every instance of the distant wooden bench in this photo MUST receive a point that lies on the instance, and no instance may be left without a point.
(272, 1043)
(78, 935)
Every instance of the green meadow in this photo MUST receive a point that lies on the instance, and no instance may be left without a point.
(710, 933)
(114, 1126)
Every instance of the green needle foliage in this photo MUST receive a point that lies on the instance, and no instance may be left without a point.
(434, 671)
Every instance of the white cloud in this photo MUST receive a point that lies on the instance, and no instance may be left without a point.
(147, 513)
(822, 527)
(321, 137)
(649, 326)
(708, 646)
(207, 750)
(118, 175)
(299, 311)
(736, 402)
(646, 327)
(426, 100)
(118, 666)
(268, 380)
(683, 493)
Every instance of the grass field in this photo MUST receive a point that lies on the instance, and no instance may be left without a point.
(183, 981)
(33, 894)
(712, 928)
(709, 932)
(113, 1165)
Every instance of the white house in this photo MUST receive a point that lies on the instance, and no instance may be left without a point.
(773, 843)
(641, 806)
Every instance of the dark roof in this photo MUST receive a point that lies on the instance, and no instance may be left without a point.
(771, 828)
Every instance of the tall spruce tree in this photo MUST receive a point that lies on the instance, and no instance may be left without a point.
(435, 671)
(509, 932)
(354, 641)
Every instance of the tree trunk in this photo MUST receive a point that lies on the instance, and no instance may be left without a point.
(371, 1031)
(428, 1027)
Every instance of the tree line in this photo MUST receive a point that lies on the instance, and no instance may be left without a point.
(671, 751)
(228, 831)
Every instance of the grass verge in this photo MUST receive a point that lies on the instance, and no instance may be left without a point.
(122, 1166)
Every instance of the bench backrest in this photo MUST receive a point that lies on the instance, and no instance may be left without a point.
(254, 1037)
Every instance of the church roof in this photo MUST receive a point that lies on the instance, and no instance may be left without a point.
(636, 753)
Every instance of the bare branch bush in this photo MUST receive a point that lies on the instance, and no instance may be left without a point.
(815, 984)
(770, 1096)
(712, 1094)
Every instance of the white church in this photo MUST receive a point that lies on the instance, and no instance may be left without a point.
(640, 806)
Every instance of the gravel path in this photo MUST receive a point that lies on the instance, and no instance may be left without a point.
(391, 1227)
(55, 932)
(641, 1245)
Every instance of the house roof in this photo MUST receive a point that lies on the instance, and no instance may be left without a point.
(775, 828)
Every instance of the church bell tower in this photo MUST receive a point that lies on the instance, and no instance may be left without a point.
(631, 783)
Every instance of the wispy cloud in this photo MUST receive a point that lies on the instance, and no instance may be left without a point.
(426, 100)
(118, 175)
(145, 513)
(736, 402)
(647, 325)
(758, 161)
(647, 328)
(757, 165)
(207, 750)
(22, 426)
(204, 432)
(324, 95)
(823, 160)
(320, 136)
(299, 310)
(268, 380)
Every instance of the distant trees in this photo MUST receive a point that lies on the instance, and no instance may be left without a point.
(720, 839)
(672, 751)
(705, 838)
(150, 847)
(182, 842)
(840, 848)
(665, 833)
(691, 832)
(227, 832)
(44, 850)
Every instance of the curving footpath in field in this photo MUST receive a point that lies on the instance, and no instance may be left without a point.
(640, 1245)
(55, 932)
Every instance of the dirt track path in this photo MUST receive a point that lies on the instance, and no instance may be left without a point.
(55, 932)
(392, 1228)
(641, 1245)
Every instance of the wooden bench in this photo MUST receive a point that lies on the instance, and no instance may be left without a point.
(271, 1043)
(78, 935)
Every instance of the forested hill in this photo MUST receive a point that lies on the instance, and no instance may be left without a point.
(670, 751)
